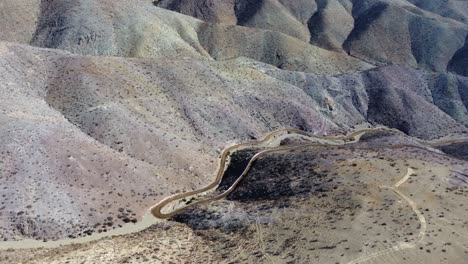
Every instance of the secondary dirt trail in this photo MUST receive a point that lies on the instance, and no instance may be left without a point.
(155, 214)
(402, 245)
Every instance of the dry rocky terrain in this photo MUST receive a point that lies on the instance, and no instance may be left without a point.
(326, 204)
(109, 106)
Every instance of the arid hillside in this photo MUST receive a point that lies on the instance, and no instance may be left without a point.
(413, 33)
(107, 107)
(369, 202)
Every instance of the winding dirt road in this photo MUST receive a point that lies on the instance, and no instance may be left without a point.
(156, 210)
(332, 140)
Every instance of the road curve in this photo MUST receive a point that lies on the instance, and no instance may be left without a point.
(157, 209)
(155, 213)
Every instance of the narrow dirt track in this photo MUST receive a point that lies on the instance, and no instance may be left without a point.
(155, 212)
(402, 245)
(157, 209)
(353, 137)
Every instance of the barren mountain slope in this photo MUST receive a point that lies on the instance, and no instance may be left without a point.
(419, 103)
(459, 63)
(133, 128)
(18, 20)
(107, 107)
(427, 34)
(157, 126)
(139, 29)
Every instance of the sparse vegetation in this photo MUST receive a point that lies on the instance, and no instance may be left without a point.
(107, 107)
